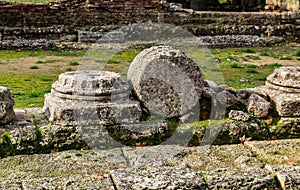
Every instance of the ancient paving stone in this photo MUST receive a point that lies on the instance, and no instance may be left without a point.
(89, 96)
(167, 81)
(251, 178)
(285, 79)
(7, 113)
(158, 178)
(258, 106)
(277, 152)
(290, 175)
(154, 156)
(62, 170)
(205, 158)
(238, 115)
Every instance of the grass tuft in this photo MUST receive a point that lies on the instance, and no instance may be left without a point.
(248, 50)
(34, 67)
(251, 70)
(73, 63)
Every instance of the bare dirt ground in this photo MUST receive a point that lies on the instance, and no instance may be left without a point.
(51, 64)
(270, 60)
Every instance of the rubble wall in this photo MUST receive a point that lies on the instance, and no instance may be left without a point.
(64, 19)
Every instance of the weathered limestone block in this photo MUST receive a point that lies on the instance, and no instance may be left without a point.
(7, 113)
(166, 81)
(258, 106)
(286, 79)
(238, 115)
(288, 127)
(283, 88)
(83, 97)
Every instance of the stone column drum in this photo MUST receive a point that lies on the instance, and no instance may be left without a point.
(83, 97)
(283, 87)
(7, 113)
(166, 81)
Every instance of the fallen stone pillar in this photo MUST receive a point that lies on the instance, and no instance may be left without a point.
(166, 81)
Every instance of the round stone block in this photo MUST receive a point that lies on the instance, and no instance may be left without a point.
(285, 79)
(91, 96)
(166, 81)
(90, 83)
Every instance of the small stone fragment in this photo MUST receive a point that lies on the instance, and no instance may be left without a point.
(238, 115)
(258, 106)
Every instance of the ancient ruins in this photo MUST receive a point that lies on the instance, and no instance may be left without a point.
(165, 126)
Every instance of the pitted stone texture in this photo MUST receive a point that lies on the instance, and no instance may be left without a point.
(68, 112)
(238, 115)
(251, 178)
(258, 106)
(84, 97)
(287, 104)
(158, 178)
(285, 79)
(167, 81)
(7, 113)
(288, 127)
(90, 83)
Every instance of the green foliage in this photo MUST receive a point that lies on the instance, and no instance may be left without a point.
(252, 66)
(73, 63)
(286, 58)
(231, 64)
(112, 61)
(275, 65)
(298, 53)
(251, 70)
(264, 54)
(46, 61)
(253, 57)
(27, 90)
(248, 50)
(34, 67)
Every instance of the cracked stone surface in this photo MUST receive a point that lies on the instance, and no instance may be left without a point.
(158, 167)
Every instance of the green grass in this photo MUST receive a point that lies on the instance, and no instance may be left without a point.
(46, 61)
(112, 61)
(34, 67)
(248, 50)
(27, 90)
(286, 58)
(251, 70)
(298, 53)
(264, 54)
(73, 63)
(275, 65)
(253, 57)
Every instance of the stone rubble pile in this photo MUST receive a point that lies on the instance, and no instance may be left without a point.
(7, 113)
(91, 96)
